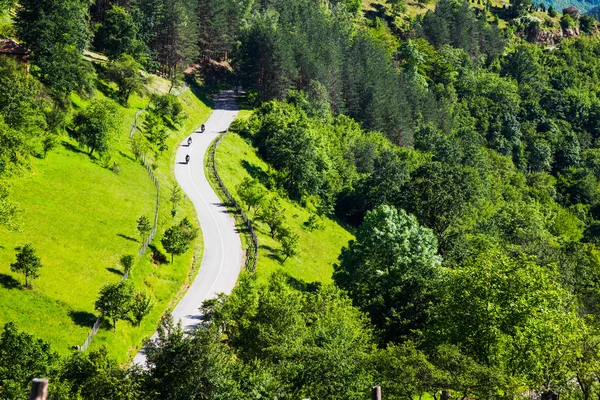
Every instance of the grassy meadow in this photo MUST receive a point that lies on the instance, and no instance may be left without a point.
(318, 250)
(81, 218)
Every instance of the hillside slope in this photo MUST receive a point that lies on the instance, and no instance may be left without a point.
(81, 218)
(318, 250)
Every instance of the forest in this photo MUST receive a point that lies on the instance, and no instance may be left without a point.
(463, 155)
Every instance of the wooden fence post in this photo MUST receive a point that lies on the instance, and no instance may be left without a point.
(39, 389)
(376, 393)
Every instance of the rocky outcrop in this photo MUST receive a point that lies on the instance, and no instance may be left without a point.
(551, 38)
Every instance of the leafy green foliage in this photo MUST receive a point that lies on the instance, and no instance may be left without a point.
(118, 35)
(454, 23)
(491, 148)
(94, 375)
(155, 132)
(114, 301)
(7, 4)
(289, 242)
(49, 143)
(506, 297)
(197, 366)
(22, 358)
(127, 262)
(144, 226)
(178, 238)
(57, 32)
(440, 196)
(252, 193)
(96, 125)
(169, 108)
(141, 306)
(272, 215)
(9, 211)
(22, 119)
(388, 271)
(293, 338)
(126, 73)
(169, 29)
(27, 264)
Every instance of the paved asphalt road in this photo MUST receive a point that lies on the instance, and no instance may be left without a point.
(222, 259)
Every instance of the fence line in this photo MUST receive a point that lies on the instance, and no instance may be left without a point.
(252, 244)
(139, 155)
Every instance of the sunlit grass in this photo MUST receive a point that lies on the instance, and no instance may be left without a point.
(81, 218)
(319, 249)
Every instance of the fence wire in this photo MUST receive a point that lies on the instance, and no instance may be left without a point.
(139, 155)
(252, 244)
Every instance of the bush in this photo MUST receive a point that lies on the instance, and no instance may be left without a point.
(567, 22)
(141, 306)
(127, 262)
(169, 108)
(313, 222)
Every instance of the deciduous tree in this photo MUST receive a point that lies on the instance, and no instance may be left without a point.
(126, 73)
(127, 261)
(22, 358)
(114, 301)
(9, 211)
(289, 242)
(96, 125)
(389, 271)
(272, 215)
(177, 238)
(118, 34)
(252, 193)
(144, 226)
(27, 263)
(141, 306)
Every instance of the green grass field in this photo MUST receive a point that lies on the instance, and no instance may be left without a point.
(81, 217)
(319, 249)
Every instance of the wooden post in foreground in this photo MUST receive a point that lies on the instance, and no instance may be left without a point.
(376, 393)
(39, 389)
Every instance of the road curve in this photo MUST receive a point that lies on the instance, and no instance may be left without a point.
(222, 260)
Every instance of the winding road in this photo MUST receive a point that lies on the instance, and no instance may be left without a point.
(222, 260)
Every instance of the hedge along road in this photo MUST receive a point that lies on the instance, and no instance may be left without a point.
(222, 260)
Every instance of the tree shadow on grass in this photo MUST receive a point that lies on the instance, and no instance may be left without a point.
(228, 208)
(157, 256)
(114, 271)
(273, 253)
(127, 237)
(8, 282)
(298, 284)
(255, 172)
(201, 93)
(126, 156)
(107, 90)
(378, 12)
(106, 325)
(73, 148)
(83, 318)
